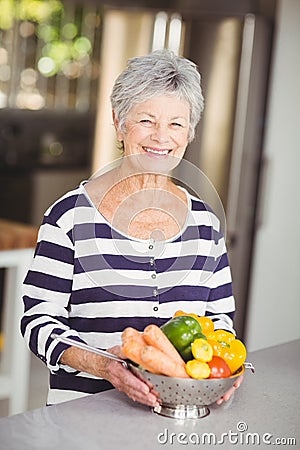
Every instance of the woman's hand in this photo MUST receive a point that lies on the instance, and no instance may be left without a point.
(113, 371)
(231, 391)
(125, 381)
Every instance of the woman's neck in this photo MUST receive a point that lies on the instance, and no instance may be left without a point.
(140, 204)
(130, 183)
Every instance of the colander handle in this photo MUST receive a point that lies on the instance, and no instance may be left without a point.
(249, 365)
(84, 346)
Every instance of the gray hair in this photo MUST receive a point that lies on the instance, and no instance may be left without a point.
(159, 73)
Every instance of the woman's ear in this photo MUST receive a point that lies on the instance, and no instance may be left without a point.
(116, 124)
(114, 117)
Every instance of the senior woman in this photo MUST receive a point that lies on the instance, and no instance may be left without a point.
(128, 247)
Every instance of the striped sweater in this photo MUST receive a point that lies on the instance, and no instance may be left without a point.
(89, 281)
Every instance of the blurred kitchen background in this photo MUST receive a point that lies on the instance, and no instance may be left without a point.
(58, 62)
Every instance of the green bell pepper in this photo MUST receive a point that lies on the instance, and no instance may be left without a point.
(182, 331)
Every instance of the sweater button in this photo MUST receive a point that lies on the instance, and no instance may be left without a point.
(155, 308)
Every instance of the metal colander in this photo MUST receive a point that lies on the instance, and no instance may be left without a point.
(187, 397)
(181, 397)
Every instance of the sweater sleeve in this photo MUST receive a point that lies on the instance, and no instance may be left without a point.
(46, 293)
(221, 304)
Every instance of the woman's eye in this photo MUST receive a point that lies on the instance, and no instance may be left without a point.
(176, 124)
(146, 121)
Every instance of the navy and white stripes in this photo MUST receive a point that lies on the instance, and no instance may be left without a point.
(89, 281)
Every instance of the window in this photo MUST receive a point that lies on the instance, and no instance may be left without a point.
(49, 54)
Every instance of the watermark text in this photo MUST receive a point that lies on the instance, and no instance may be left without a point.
(240, 436)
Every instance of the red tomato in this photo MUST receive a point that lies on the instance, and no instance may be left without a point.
(218, 368)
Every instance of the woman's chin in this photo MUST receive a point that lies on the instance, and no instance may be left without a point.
(152, 163)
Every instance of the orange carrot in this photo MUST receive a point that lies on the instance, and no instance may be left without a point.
(159, 362)
(154, 336)
(132, 333)
(132, 349)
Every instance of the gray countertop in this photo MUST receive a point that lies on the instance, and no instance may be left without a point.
(265, 409)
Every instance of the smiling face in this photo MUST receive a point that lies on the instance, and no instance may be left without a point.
(157, 128)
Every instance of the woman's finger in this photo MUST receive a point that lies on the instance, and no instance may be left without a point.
(125, 381)
(149, 399)
(239, 381)
(231, 391)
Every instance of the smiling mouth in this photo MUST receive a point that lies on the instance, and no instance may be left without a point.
(156, 151)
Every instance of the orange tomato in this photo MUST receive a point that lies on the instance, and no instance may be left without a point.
(207, 325)
(182, 313)
(216, 346)
(218, 368)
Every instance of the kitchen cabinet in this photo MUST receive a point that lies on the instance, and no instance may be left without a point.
(16, 250)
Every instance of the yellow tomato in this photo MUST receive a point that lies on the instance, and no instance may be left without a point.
(202, 350)
(197, 369)
(227, 347)
(224, 336)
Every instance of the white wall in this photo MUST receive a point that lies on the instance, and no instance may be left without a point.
(274, 304)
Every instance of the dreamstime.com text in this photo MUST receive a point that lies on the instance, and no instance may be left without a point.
(240, 436)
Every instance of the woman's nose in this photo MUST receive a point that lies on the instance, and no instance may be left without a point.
(160, 133)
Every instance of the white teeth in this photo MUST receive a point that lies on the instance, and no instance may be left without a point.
(156, 152)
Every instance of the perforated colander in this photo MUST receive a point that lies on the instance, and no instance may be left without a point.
(187, 397)
(181, 397)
